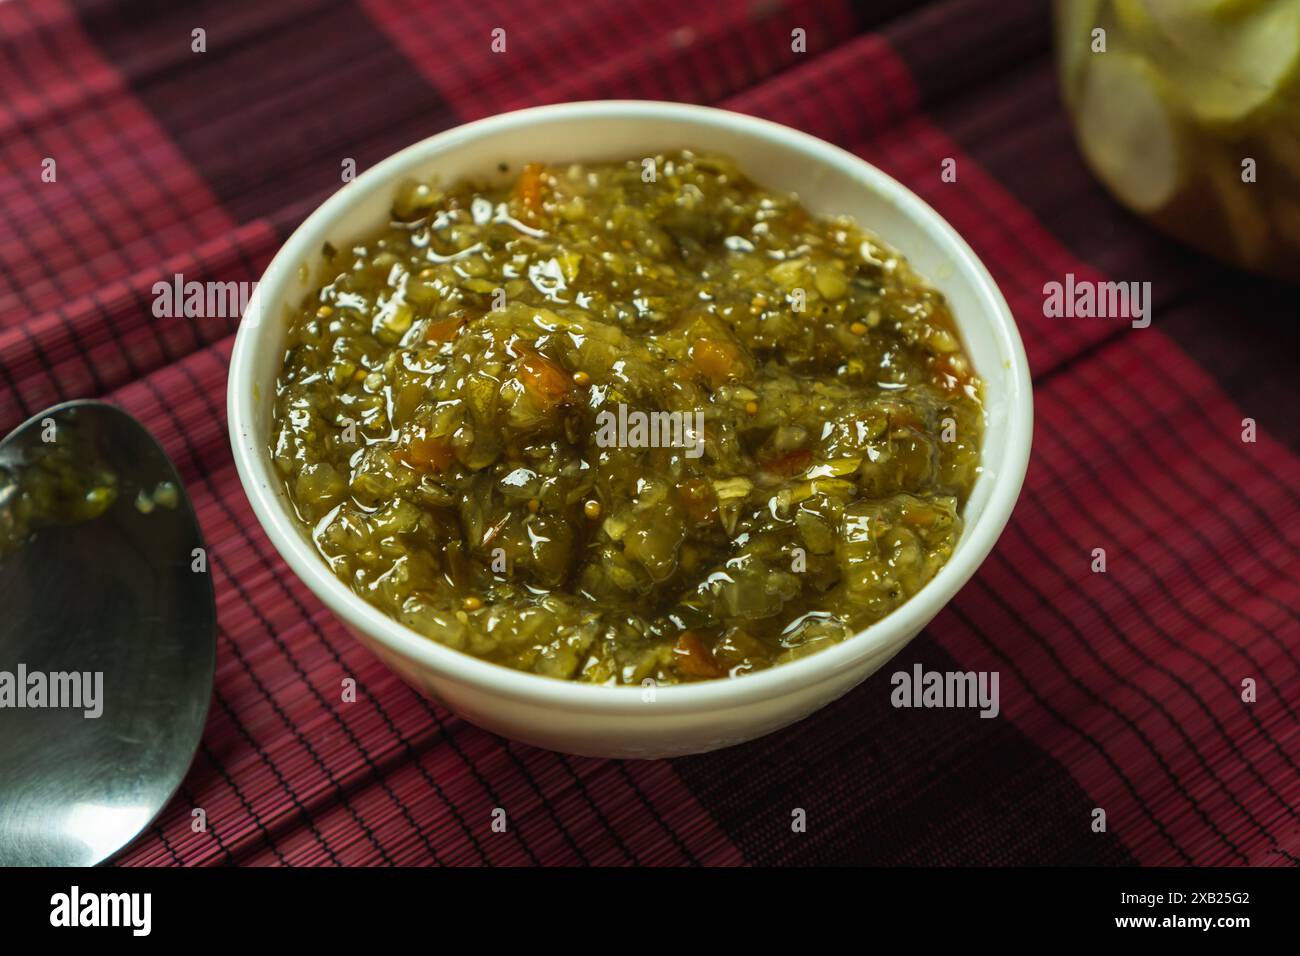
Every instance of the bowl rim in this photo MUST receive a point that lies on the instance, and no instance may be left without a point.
(256, 474)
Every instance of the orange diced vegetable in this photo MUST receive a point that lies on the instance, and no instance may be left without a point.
(423, 453)
(694, 659)
(528, 190)
(443, 330)
(544, 379)
(716, 360)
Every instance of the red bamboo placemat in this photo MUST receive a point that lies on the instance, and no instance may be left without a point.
(1120, 691)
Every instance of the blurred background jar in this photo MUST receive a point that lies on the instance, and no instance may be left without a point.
(1189, 112)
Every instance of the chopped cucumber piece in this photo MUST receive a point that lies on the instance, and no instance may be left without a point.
(1075, 21)
(1225, 60)
(1129, 137)
(1134, 17)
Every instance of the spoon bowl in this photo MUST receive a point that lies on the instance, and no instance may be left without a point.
(107, 640)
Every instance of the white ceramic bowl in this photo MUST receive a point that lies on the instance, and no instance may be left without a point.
(632, 721)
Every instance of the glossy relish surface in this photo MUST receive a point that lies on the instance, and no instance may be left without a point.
(465, 421)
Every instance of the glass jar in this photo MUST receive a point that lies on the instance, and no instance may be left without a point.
(1189, 112)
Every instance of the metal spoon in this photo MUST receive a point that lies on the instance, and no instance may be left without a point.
(99, 548)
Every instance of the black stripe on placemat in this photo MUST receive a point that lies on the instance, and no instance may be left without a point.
(872, 14)
(953, 46)
(908, 787)
(284, 94)
(1242, 331)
